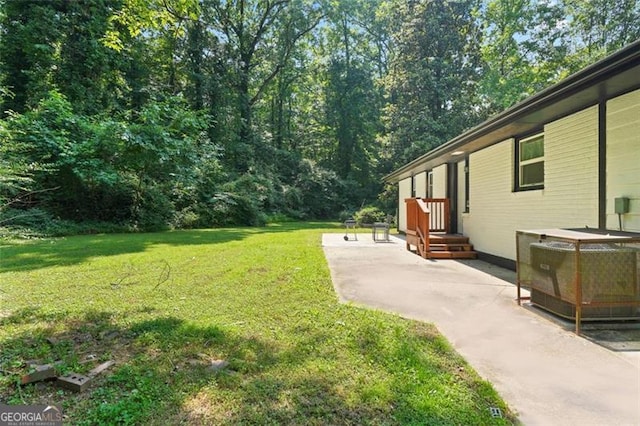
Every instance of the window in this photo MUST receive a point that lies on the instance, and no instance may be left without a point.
(530, 163)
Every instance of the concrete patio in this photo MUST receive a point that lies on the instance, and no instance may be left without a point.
(547, 374)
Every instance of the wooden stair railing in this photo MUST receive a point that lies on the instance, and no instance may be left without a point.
(439, 220)
(423, 225)
(428, 229)
(418, 225)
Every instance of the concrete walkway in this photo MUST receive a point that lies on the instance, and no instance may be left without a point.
(546, 373)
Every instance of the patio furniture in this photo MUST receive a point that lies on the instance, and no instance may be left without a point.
(350, 224)
(378, 229)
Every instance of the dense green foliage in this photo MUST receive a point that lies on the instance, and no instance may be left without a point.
(193, 113)
(432, 83)
(165, 306)
(369, 215)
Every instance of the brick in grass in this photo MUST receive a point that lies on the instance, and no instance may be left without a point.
(74, 382)
(79, 382)
(42, 372)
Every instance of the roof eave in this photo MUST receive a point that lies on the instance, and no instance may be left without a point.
(600, 71)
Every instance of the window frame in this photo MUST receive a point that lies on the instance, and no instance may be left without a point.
(518, 164)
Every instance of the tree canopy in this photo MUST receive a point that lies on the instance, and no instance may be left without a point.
(197, 113)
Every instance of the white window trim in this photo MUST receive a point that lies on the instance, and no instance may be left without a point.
(521, 163)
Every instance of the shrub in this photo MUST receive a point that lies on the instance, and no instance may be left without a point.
(186, 219)
(153, 211)
(235, 209)
(319, 190)
(37, 223)
(345, 215)
(279, 217)
(369, 214)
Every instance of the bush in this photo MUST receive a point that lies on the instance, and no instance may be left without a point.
(320, 191)
(37, 223)
(280, 218)
(186, 219)
(388, 198)
(153, 211)
(368, 215)
(229, 209)
(346, 215)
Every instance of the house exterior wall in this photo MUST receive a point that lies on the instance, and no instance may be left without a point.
(460, 192)
(404, 191)
(440, 182)
(623, 159)
(569, 197)
(420, 184)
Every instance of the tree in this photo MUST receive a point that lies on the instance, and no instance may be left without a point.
(433, 76)
(31, 31)
(210, 112)
(600, 27)
(88, 72)
(523, 50)
(352, 102)
(258, 33)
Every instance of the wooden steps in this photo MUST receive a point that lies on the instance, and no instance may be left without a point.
(443, 246)
(427, 230)
(452, 255)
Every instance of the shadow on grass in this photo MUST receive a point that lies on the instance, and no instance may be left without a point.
(33, 255)
(164, 374)
(437, 392)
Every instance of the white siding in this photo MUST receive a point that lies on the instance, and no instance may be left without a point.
(440, 182)
(571, 170)
(420, 184)
(404, 191)
(623, 159)
(460, 194)
(490, 198)
(569, 197)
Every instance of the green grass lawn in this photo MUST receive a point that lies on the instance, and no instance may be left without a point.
(165, 306)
